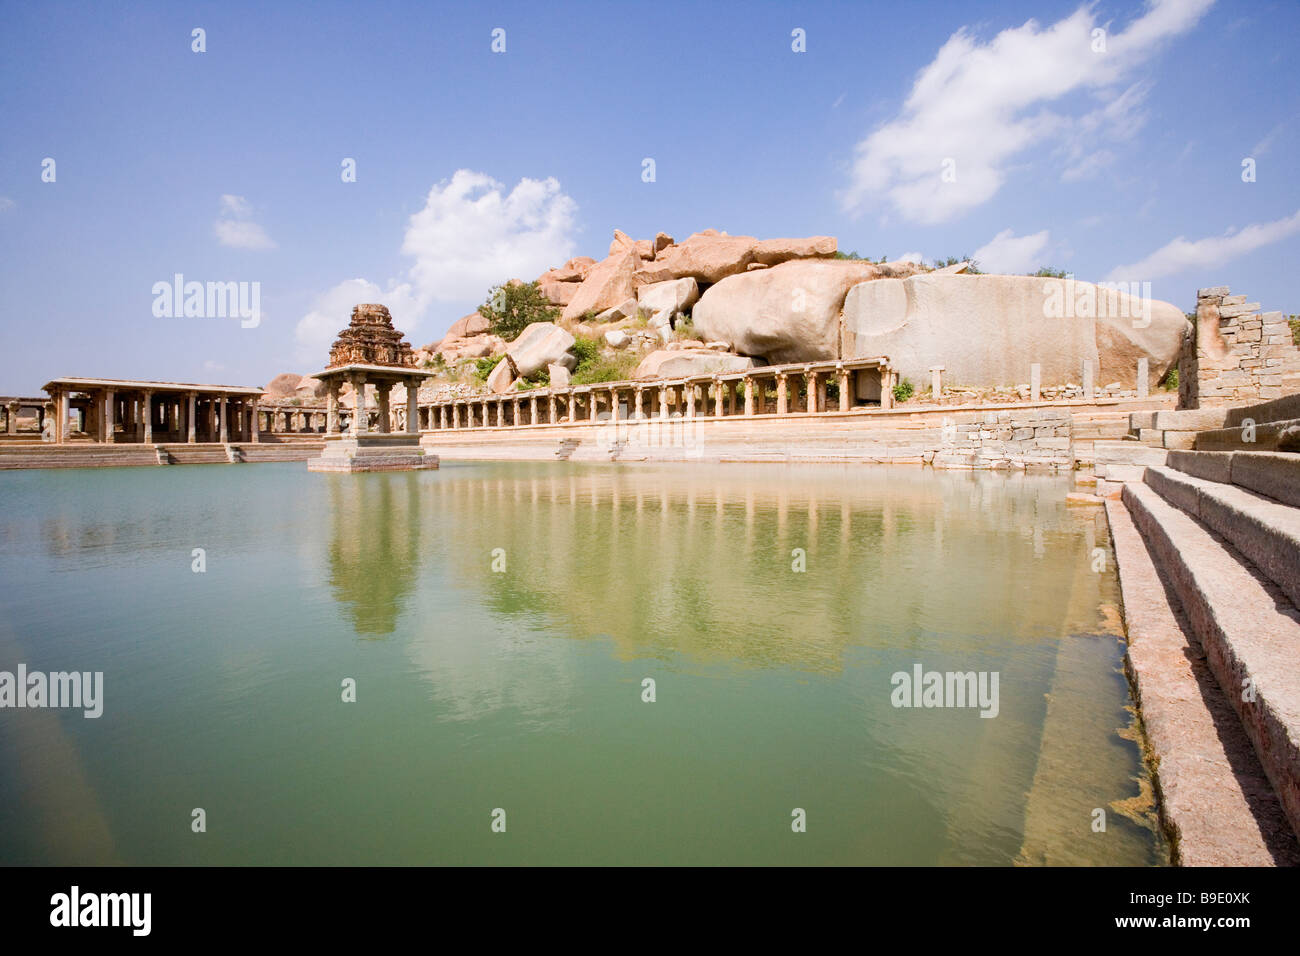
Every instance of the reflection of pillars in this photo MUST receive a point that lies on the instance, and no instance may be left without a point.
(331, 409)
(110, 417)
(782, 398)
(191, 414)
(663, 401)
(749, 396)
(360, 414)
(224, 419)
(413, 408)
(844, 389)
(256, 413)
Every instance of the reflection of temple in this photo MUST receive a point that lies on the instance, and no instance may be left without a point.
(371, 352)
(374, 548)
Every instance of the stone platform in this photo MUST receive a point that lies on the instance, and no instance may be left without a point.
(372, 452)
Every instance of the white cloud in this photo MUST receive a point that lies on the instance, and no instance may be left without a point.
(235, 227)
(911, 257)
(1181, 254)
(6, 204)
(470, 235)
(1012, 254)
(980, 104)
(332, 311)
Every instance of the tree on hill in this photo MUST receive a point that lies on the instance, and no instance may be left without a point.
(513, 306)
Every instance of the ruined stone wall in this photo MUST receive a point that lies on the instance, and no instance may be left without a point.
(1236, 355)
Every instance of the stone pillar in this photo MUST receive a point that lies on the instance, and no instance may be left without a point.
(413, 408)
(573, 406)
(1035, 381)
(331, 408)
(385, 413)
(532, 409)
(1089, 385)
(639, 413)
(146, 414)
(13, 418)
(717, 398)
(551, 418)
(663, 401)
(749, 397)
(110, 415)
(613, 404)
(257, 425)
(810, 383)
(731, 397)
(689, 389)
(886, 388)
(593, 397)
(60, 416)
(224, 437)
(360, 415)
(936, 382)
(1143, 377)
(821, 393)
(782, 399)
(191, 400)
(846, 397)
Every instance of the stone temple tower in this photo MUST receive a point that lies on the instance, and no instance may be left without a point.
(370, 339)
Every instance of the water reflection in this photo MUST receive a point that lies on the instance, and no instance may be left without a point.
(374, 548)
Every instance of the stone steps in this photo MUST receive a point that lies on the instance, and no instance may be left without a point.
(1273, 474)
(1234, 438)
(78, 456)
(1265, 532)
(1248, 629)
(1216, 802)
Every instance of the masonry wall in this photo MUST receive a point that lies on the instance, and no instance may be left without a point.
(1236, 355)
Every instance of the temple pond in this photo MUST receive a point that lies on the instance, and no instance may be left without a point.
(502, 621)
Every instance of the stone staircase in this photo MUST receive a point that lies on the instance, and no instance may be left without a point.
(77, 455)
(1208, 544)
(566, 449)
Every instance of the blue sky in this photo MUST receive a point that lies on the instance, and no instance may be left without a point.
(225, 165)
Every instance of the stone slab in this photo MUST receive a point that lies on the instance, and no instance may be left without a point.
(1216, 803)
(1275, 474)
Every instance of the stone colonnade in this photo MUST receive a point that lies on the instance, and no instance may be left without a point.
(384, 379)
(783, 390)
(11, 408)
(109, 412)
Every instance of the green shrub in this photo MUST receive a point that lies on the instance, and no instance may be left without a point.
(587, 351)
(483, 367)
(615, 367)
(903, 390)
(1170, 382)
(510, 309)
(1047, 272)
(1294, 321)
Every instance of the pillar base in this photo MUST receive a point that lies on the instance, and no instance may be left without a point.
(372, 452)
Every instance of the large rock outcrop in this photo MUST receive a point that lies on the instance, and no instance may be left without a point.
(987, 330)
(609, 283)
(539, 345)
(711, 256)
(664, 299)
(682, 363)
(788, 313)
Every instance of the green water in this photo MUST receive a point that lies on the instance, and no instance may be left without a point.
(521, 688)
